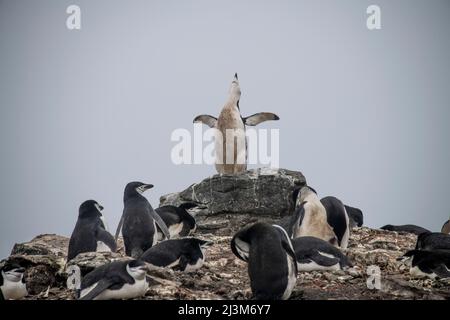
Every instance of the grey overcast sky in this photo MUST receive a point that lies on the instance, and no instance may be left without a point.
(364, 114)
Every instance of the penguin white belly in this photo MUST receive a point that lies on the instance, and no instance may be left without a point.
(14, 290)
(155, 234)
(128, 291)
(313, 266)
(292, 278)
(175, 229)
(193, 267)
(417, 273)
(102, 247)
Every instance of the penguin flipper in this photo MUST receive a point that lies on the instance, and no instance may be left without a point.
(106, 238)
(324, 260)
(101, 286)
(210, 121)
(119, 228)
(257, 118)
(160, 222)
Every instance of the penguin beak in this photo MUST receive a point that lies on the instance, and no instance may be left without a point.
(236, 76)
(207, 244)
(20, 270)
(148, 186)
(100, 207)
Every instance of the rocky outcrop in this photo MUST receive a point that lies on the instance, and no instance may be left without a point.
(239, 199)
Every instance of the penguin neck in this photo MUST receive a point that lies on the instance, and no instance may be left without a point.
(133, 196)
(233, 103)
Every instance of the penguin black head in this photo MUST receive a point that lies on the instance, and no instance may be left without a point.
(134, 188)
(13, 271)
(90, 208)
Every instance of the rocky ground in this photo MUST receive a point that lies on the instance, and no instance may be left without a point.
(225, 277)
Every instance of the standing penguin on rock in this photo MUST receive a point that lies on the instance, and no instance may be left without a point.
(139, 220)
(272, 266)
(90, 233)
(231, 151)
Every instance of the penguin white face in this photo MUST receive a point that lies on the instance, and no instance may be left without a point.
(142, 188)
(99, 207)
(137, 271)
(13, 275)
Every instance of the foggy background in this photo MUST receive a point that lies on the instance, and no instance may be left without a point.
(364, 114)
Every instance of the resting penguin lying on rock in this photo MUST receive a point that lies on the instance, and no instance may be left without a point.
(315, 254)
(115, 280)
(179, 222)
(355, 215)
(187, 254)
(433, 241)
(410, 228)
(12, 282)
(271, 260)
(428, 263)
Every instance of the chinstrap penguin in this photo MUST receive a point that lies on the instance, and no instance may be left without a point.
(409, 228)
(179, 222)
(230, 120)
(90, 234)
(314, 222)
(433, 241)
(12, 282)
(272, 266)
(115, 280)
(139, 220)
(355, 215)
(314, 254)
(187, 254)
(428, 263)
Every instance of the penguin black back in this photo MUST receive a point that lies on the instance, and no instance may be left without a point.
(433, 241)
(337, 218)
(355, 215)
(271, 260)
(89, 231)
(410, 228)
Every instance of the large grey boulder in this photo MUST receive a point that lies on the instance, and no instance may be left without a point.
(260, 192)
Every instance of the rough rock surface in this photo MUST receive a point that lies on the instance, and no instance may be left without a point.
(225, 277)
(254, 194)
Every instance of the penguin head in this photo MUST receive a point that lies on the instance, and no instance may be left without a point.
(301, 194)
(90, 208)
(137, 269)
(235, 89)
(204, 244)
(408, 257)
(136, 187)
(13, 272)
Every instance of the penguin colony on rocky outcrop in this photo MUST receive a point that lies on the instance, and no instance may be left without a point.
(313, 237)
